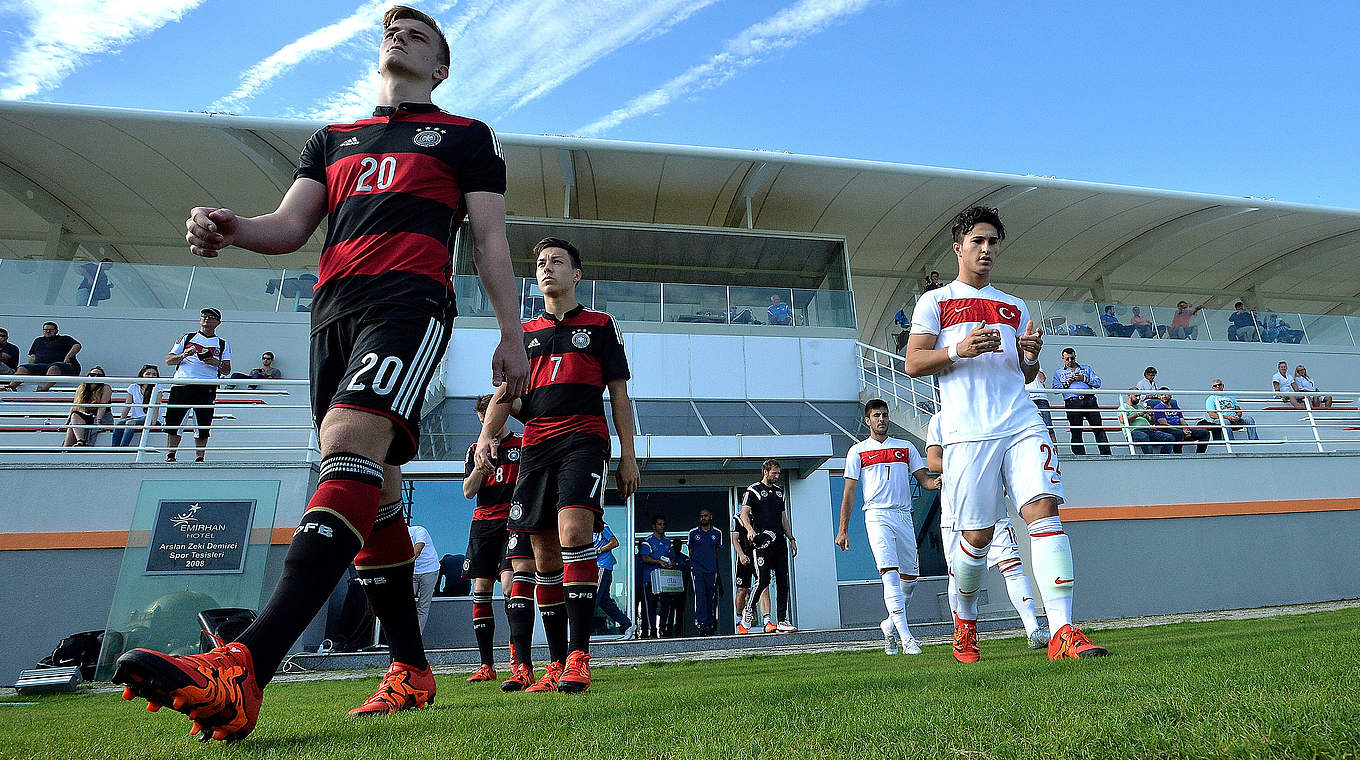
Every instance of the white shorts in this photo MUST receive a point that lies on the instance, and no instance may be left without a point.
(892, 537)
(1003, 551)
(978, 473)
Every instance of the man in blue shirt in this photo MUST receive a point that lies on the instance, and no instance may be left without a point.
(605, 544)
(1224, 411)
(1167, 415)
(704, 542)
(780, 313)
(654, 554)
(1080, 403)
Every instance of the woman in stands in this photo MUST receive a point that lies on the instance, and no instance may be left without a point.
(91, 405)
(140, 400)
(1304, 384)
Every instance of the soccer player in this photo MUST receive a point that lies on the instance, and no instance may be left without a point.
(886, 465)
(575, 353)
(486, 561)
(744, 578)
(968, 335)
(767, 527)
(396, 187)
(1003, 554)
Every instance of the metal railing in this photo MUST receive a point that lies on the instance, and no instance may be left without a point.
(270, 421)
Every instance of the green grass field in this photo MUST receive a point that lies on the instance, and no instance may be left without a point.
(1268, 688)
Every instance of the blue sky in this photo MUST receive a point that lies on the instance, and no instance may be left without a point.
(1233, 98)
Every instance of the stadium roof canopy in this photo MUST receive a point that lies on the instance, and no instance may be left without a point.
(84, 181)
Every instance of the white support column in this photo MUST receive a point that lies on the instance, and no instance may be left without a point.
(816, 599)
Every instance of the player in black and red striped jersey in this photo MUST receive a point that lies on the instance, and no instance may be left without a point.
(575, 353)
(394, 189)
(487, 558)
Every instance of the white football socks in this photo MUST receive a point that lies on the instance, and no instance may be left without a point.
(968, 564)
(1051, 554)
(1022, 596)
(896, 602)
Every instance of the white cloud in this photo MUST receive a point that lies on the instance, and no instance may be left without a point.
(756, 43)
(62, 34)
(508, 53)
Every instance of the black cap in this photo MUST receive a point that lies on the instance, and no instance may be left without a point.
(211, 312)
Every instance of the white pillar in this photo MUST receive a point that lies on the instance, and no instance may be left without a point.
(814, 574)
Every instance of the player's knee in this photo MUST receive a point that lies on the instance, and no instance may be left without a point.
(1044, 506)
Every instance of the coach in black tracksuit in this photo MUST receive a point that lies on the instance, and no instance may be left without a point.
(766, 520)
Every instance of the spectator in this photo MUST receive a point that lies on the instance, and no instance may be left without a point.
(1242, 324)
(1225, 412)
(1040, 399)
(780, 313)
(1113, 327)
(704, 542)
(1181, 329)
(203, 355)
(1148, 382)
(50, 354)
(141, 404)
(9, 354)
(1082, 409)
(655, 554)
(266, 371)
(91, 407)
(1277, 330)
(932, 282)
(1144, 327)
(1137, 423)
(1167, 416)
(1282, 381)
(1304, 384)
(605, 544)
(902, 320)
(94, 283)
(426, 571)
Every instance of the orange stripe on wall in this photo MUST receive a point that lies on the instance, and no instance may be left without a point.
(1210, 509)
(110, 539)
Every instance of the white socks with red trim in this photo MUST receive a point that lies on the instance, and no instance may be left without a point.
(896, 602)
(968, 564)
(1022, 596)
(1051, 554)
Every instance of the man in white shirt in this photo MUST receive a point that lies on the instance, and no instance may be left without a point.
(426, 571)
(886, 465)
(969, 335)
(202, 355)
(1283, 382)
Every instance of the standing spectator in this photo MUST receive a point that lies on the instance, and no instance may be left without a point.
(426, 571)
(704, 542)
(903, 321)
(1040, 399)
(1242, 324)
(1282, 381)
(9, 354)
(266, 371)
(655, 554)
(50, 354)
(1144, 327)
(141, 405)
(605, 544)
(1113, 327)
(1304, 384)
(763, 512)
(1181, 329)
(202, 355)
(780, 313)
(91, 407)
(1148, 383)
(932, 282)
(94, 283)
(1137, 423)
(1167, 415)
(1082, 407)
(1224, 411)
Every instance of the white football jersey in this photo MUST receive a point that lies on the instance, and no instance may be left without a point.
(933, 432)
(884, 470)
(982, 397)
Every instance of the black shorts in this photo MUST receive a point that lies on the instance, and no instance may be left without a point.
(577, 479)
(63, 368)
(200, 397)
(746, 573)
(486, 550)
(517, 546)
(380, 360)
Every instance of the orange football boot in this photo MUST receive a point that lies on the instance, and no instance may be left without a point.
(1070, 643)
(402, 688)
(217, 690)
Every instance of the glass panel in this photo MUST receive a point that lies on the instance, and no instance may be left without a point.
(1231, 325)
(1191, 328)
(440, 507)
(233, 290)
(1126, 321)
(629, 301)
(150, 287)
(531, 300)
(611, 620)
(732, 418)
(756, 306)
(1325, 329)
(473, 300)
(824, 308)
(795, 418)
(856, 564)
(40, 283)
(447, 431)
(668, 418)
(1353, 325)
(694, 303)
(1070, 318)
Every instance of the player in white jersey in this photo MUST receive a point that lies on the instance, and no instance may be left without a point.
(886, 466)
(969, 335)
(1003, 554)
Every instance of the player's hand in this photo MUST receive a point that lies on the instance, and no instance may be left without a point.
(628, 477)
(210, 230)
(933, 484)
(485, 468)
(486, 451)
(510, 365)
(793, 546)
(980, 340)
(843, 540)
(1032, 342)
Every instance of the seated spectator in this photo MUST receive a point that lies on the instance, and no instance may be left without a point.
(1304, 384)
(1147, 383)
(1138, 427)
(740, 317)
(1181, 329)
(50, 354)
(266, 371)
(1167, 415)
(1144, 327)
(780, 313)
(90, 408)
(1041, 401)
(1276, 330)
(1225, 412)
(1242, 324)
(1282, 381)
(9, 354)
(1113, 327)
(141, 404)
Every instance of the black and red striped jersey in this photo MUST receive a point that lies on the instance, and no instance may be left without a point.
(570, 361)
(395, 188)
(493, 500)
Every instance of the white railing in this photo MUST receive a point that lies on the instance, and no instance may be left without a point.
(883, 375)
(270, 422)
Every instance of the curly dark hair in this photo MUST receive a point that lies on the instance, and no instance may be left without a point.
(969, 218)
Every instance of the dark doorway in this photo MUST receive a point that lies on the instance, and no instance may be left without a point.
(681, 508)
